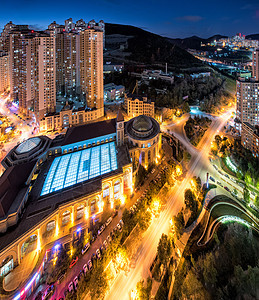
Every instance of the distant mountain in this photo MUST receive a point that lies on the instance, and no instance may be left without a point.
(132, 44)
(194, 42)
(253, 36)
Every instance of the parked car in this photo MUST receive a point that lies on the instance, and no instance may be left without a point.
(49, 292)
(86, 247)
(85, 269)
(119, 227)
(152, 171)
(212, 179)
(75, 282)
(108, 221)
(61, 277)
(226, 188)
(98, 254)
(109, 239)
(105, 244)
(70, 287)
(73, 262)
(89, 265)
(226, 175)
(219, 183)
(101, 229)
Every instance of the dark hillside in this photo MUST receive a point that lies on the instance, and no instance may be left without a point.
(151, 49)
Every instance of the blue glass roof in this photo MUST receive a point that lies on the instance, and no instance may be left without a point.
(80, 166)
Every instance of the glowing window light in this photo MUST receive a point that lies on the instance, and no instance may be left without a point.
(74, 168)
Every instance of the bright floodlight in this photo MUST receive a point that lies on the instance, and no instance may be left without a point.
(80, 166)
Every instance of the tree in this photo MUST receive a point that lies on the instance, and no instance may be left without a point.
(144, 220)
(164, 249)
(218, 140)
(257, 202)
(143, 291)
(98, 282)
(186, 156)
(178, 223)
(248, 178)
(210, 272)
(246, 195)
(189, 200)
(192, 288)
(186, 107)
(197, 182)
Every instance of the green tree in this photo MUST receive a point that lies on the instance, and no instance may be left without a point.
(246, 195)
(98, 282)
(248, 178)
(144, 291)
(144, 220)
(210, 272)
(186, 107)
(257, 202)
(164, 249)
(178, 222)
(190, 200)
(192, 288)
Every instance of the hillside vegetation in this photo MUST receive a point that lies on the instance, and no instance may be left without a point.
(147, 48)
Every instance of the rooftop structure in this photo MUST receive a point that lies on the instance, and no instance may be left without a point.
(74, 168)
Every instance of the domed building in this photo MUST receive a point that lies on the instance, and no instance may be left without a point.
(143, 134)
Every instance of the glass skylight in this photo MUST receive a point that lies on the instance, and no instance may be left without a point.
(80, 166)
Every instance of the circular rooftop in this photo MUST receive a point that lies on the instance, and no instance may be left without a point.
(142, 127)
(28, 145)
(142, 123)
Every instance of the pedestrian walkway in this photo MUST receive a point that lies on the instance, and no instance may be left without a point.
(13, 280)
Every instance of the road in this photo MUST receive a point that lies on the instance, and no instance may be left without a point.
(24, 131)
(198, 166)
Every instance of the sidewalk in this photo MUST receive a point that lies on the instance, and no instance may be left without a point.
(13, 280)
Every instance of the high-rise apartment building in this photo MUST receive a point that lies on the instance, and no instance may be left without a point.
(250, 138)
(91, 67)
(4, 37)
(4, 72)
(247, 109)
(247, 91)
(32, 71)
(255, 64)
(67, 62)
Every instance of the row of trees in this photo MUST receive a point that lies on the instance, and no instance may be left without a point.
(228, 270)
(247, 164)
(209, 90)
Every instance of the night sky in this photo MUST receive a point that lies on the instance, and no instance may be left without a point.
(181, 18)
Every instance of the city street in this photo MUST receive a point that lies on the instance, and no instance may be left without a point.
(199, 166)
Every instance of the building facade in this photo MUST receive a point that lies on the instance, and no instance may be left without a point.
(113, 92)
(250, 138)
(255, 64)
(68, 117)
(70, 181)
(91, 67)
(4, 72)
(137, 105)
(32, 71)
